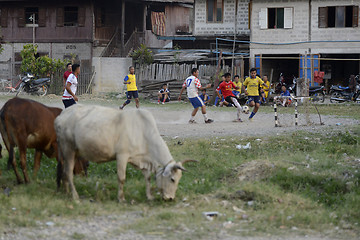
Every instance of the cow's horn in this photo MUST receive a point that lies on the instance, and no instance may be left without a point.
(188, 160)
(177, 166)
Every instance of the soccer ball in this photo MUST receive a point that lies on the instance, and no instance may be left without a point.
(246, 109)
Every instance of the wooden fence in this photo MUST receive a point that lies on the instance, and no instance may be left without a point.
(85, 83)
(162, 72)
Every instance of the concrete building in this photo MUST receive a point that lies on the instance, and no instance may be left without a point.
(283, 32)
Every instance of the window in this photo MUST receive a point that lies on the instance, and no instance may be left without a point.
(30, 13)
(338, 17)
(214, 10)
(276, 18)
(70, 16)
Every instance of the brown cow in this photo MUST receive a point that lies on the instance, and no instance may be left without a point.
(28, 124)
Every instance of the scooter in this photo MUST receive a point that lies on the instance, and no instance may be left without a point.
(34, 86)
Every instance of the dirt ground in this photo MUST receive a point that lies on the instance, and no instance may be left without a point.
(172, 124)
(172, 119)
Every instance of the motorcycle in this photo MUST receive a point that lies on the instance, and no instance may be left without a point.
(316, 93)
(34, 86)
(344, 94)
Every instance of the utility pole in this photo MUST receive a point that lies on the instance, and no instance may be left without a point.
(32, 18)
(235, 26)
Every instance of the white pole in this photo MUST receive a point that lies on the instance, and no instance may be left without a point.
(33, 20)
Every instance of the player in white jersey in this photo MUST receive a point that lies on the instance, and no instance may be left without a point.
(69, 98)
(193, 85)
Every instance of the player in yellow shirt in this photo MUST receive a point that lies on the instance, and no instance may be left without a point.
(132, 91)
(237, 83)
(252, 84)
(265, 90)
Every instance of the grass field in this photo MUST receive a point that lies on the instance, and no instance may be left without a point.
(301, 183)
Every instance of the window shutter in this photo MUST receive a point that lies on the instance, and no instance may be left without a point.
(288, 17)
(263, 20)
(60, 17)
(355, 16)
(81, 16)
(323, 17)
(4, 17)
(42, 17)
(21, 17)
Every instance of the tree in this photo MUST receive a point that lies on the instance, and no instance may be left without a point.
(142, 55)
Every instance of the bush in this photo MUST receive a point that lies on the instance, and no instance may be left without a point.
(41, 66)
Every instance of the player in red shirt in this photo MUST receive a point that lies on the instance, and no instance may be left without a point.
(67, 73)
(226, 88)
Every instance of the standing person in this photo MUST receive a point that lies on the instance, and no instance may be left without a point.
(226, 89)
(164, 94)
(253, 83)
(69, 98)
(132, 91)
(192, 85)
(265, 90)
(237, 83)
(352, 83)
(67, 73)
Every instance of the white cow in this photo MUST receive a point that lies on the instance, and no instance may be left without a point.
(101, 134)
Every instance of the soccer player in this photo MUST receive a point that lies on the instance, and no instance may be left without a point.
(252, 91)
(193, 85)
(69, 98)
(226, 88)
(265, 90)
(237, 83)
(132, 91)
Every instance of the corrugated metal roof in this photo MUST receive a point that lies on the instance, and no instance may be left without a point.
(171, 1)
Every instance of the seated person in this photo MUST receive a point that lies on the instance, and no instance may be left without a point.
(284, 99)
(237, 83)
(265, 90)
(204, 97)
(163, 94)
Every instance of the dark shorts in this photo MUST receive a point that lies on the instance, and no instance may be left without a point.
(68, 102)
(132, 94)
(256, 99)
(228, 99)
(167, 100)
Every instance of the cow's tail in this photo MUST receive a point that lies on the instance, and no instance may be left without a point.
(60, 164)
(59, 174)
